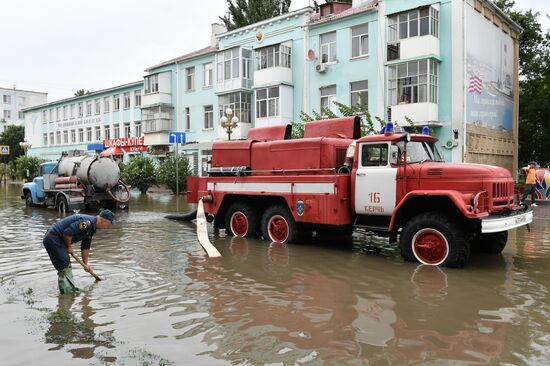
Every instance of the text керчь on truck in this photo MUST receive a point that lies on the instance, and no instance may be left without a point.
(392, 184)
(78, 182)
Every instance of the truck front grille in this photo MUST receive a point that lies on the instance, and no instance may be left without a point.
(503, 193)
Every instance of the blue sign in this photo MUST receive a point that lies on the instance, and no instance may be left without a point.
(4, 150)
(176, 137)
(300, 208)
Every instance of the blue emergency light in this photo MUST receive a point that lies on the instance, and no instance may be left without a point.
(426, 130)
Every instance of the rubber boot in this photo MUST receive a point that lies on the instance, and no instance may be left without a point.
(65, 281)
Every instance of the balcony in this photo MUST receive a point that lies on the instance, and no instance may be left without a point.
(157, 98)
(272, 75)
(416, 112)
(419, 47)
(157, 125)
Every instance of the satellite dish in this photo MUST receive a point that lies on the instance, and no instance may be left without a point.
(311, 55)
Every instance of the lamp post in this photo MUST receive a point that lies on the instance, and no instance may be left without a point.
(229, 122)
(25, 145)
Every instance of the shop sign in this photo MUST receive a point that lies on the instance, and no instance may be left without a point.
(79, 122)
(125, 142)
(134, 149)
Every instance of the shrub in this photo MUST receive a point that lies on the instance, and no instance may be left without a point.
(27, 164)
(139, 173)
(166, 173)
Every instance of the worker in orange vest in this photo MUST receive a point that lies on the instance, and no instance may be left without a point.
(530, 183)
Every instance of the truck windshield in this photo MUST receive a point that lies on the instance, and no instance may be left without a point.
(419, 152)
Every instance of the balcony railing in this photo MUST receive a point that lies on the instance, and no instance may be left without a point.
(157, 125)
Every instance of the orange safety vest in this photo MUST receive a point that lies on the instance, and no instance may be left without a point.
(531, 174)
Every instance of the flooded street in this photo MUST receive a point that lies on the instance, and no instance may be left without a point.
(163, 302)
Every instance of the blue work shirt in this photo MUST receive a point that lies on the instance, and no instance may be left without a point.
(79, 226)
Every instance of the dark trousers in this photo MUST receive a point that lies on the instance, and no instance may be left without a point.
(529, 189)
(57, 251)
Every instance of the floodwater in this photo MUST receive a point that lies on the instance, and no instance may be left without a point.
(164, 303)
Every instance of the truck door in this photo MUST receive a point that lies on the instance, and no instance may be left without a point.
(375, 180)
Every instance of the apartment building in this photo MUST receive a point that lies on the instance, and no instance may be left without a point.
(12, 103)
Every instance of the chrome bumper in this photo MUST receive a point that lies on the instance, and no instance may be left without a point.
(496, 224)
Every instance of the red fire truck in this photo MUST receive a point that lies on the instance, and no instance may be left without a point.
(334, 181)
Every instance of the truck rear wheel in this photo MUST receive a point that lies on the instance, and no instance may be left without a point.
(278, 225)
(492, 243)
(242, 220)
(28, 199)
(433, 239)
(62, 205)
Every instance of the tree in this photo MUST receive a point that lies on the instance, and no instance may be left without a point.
(166, 173)
(140, 173)
(12, 136)
(28, 164)
(244, 12)
(81, 92)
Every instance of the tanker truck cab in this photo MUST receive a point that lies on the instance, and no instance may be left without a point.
(33, 192)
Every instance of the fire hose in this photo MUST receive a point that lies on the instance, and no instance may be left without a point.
(124, 189)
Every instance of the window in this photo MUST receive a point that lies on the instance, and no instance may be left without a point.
(267, 102)
(126, 97)
(7, 114)
(51, 115)
(72, 109)
(208, 117)
(207, 75)
(328, 97)
(359, 93)
(137, 98)
(89, 108)
(106, 104)
(228, 64)
(58, 114)
(80, 135)
(97, 103)
(44, 139)
(88, 134)
(116, 102)
(98, 133)
(66, 137)
(413, 82)
(7, 99)
(374, 155)
(22, 100)
(80, 109)
(190, 78)
(127, 130)
(107, 132)
(151, 84)
(273, 56)
(360, 41)
(20, 115)
(73, 136)
(58, 137)
(137, 128)
(116, 134)
(417, 22)
(44, 117)
(328, 47)
(187, 119)
(239, 102)
(65, 112)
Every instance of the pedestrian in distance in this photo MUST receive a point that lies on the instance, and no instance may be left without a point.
(61, 236)
(530, 183)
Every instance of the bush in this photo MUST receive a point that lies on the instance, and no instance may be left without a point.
(139, 173)
(30, 164)
(166, 173)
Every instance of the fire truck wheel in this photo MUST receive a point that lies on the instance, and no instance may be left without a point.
(492, 243)
(433, 239)
(62, 205)
(242, 220)
(28, 199)
(278, 225)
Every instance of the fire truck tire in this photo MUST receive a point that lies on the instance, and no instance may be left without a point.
(492, 243)
(28, 199)
(434, 239)
(62, 205)
(242, 220)
(278, 225)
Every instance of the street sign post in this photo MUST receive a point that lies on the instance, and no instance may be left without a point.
(175, 137)
(4, 149)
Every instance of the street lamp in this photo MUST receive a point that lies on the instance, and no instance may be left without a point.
(25, 145)
(229, 123)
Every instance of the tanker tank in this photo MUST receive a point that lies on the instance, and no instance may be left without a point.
(100, 172)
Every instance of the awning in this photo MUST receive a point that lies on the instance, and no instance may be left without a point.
(113, 150)
(96, 147)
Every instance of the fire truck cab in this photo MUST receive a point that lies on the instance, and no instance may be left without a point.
(334, 181)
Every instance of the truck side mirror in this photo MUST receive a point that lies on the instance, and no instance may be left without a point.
(394, 153)
(406, 137)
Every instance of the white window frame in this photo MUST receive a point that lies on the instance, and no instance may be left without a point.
(137, 98)
(107, 132)
(72, 110)
(360, 37)
(116, 103)
(240, 102)
(187, 113)
(190, 78)
(403, 76)
(126, 97)
(358, 91)
(80, 109)
(97, 133)
(106, 104)
(58, 137)
(407, 24)
(66, 137)
(88, 134)
(207, 74)
(208, 117)
(151, 84)
(7, 114)
(137, 128)
(277, 55)
(88, 108)
(327, 48)
(65, 112)
(127, 130)
(7, 99)
(81, 135)
(330, 98)
(116, 130)
(268, 101)
(44, 139)
(97, 103)
(73, 136)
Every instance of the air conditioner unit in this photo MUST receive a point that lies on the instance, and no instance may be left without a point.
(321, 68)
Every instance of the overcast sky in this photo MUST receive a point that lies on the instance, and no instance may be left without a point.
(60, 46)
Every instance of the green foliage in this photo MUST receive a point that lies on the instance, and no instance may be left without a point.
(297, 130)
(534, 85)
(6, 171)
(30, 164)
(12, 136)
(166, 173)
(140, 173)
(245, 12)
(81, 92)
